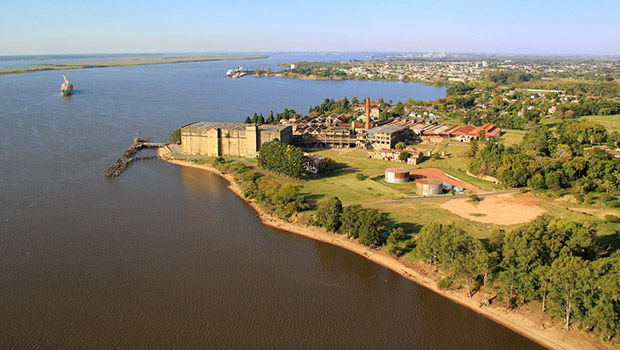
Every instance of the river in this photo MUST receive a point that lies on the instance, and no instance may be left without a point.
(166, 256)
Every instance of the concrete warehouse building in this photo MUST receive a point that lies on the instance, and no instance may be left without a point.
(386, 136)
(230, 139)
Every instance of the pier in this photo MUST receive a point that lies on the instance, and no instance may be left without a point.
(129, 156)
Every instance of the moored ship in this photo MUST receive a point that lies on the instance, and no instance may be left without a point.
(66, 88)
(236, 73)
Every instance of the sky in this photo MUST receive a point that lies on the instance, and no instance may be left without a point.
(129, 26)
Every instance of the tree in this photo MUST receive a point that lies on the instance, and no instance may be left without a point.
(404, 155)
(565, 279)
(371, 226)
(473, 148)
(400, 145)
(270, 118)
(429, 244)
(248, 120)
(176, 136)
(350, 222)
(281, 158)
(328, 214)
(398, 234)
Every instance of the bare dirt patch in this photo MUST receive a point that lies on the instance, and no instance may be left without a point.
(505, 209)
(567, 198)
(434, 173)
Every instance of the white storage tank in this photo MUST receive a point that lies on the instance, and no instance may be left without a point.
(428, 187)
(396, 175)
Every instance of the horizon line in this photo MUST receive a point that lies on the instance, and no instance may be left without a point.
(500, 54)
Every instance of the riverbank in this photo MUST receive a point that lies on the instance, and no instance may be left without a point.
(286, 74)
(131, 61)
(531, 324)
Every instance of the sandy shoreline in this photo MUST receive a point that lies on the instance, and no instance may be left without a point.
(529, 325)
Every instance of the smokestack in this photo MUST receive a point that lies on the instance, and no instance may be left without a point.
(367, 113)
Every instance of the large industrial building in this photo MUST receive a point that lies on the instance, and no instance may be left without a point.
(230, 139)
(385, 136)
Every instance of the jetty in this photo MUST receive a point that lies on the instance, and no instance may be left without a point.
(129, 156)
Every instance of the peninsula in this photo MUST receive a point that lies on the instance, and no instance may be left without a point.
(128, 61)
(491, 218)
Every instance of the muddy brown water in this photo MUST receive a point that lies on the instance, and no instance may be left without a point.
(166, 256)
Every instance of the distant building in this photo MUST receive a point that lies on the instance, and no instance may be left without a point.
(393, 155)
(230, 139)
(613, 152)
(293, 66)
(315, 163)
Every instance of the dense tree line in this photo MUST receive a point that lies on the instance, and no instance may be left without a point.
(329, 106)
(553, 160)
(554, 261)
(589, 106)
(371, 227)
(281, 158)
(506, 76)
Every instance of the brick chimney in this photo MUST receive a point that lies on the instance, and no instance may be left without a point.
(367, 126)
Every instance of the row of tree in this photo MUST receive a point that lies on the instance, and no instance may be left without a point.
(259, 119)
(371, 226)
(554, 261)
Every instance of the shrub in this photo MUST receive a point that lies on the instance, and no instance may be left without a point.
(612, 219)
(614, 204)
(398, 250)
(445, 283)
(474, 198)
(360, 176)
(606, 197)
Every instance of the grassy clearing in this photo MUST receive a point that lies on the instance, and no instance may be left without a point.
(512, 137)
(413, 214)
(611, 122)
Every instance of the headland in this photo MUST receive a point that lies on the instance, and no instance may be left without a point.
(526, 322)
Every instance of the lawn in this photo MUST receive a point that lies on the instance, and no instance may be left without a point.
(611, 122)
(412, 214)
(512, 137)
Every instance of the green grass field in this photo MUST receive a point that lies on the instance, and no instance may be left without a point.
(512, 137)
(611, 122)
(412, 214)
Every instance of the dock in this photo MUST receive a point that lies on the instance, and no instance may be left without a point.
(129, 156)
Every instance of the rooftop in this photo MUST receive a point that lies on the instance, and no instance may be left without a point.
(231, 126)
(386, 129)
